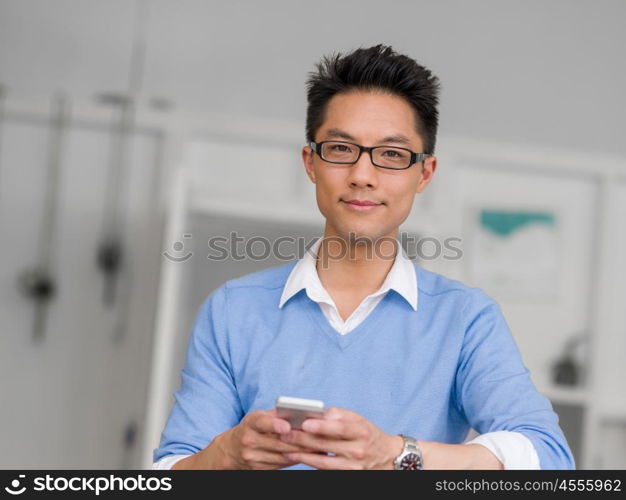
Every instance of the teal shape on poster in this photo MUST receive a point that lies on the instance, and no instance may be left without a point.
(504, 223)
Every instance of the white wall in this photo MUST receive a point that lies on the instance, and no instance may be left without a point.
(68, 397)
(545, 73)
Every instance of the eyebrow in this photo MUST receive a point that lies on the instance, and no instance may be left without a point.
(335, 132)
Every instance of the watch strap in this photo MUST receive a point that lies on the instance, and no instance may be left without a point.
(411, 447)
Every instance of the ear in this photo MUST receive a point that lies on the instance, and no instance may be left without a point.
(307, 159)
(430, 165)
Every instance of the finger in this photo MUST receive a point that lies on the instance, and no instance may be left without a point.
(273, 443)
(263, 459)
(324, 462)
(335, 429)
(266, 466)
(267, 422)
(273, 413)
(337, 413)
(307, 441)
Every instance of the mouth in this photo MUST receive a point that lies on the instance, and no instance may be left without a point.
(362, 205)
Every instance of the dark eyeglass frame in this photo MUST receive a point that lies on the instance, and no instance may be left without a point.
(415, 157)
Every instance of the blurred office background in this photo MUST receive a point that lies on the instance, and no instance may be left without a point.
(131, 132)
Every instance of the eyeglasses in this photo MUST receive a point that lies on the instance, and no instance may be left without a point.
(342, 152)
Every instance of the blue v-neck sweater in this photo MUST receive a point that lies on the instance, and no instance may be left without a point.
(431, 373)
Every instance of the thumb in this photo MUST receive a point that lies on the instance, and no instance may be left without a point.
(333, 413)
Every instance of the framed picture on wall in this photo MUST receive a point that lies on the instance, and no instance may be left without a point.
(514, 253)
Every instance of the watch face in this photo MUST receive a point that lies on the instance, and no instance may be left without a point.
(410, 462)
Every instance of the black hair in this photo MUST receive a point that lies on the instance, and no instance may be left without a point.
(371, 69)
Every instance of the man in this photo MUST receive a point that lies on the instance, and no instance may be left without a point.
(407, 361)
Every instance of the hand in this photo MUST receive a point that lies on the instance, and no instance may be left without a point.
(355, 442)
(252, 444)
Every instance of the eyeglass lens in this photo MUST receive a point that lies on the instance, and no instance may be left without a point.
(384, 156)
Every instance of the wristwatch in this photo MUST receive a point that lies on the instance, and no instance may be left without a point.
(411, 456)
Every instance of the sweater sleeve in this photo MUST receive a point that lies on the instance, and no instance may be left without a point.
(207, 403)
(493, 388)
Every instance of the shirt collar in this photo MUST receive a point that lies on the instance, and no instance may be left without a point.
(401, 277)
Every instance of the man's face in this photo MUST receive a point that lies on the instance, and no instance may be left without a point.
(368, 119)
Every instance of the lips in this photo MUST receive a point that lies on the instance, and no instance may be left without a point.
(362, 203)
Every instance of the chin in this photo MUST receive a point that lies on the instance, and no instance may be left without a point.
(362, 235)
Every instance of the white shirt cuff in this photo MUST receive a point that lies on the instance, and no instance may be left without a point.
(167, 462)
(513, 449)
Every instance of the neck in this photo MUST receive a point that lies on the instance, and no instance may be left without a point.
(355, 266)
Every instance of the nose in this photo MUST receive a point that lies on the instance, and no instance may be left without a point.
(363, 173)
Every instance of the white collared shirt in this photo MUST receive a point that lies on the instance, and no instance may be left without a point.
(401, 277)
(513, 449)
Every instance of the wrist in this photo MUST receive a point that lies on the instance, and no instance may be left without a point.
(410, 456)
(393, 449)
(211, 457)
(437, 455)
(426, 449)
(457, 456)
(219, 456)
(186, 463)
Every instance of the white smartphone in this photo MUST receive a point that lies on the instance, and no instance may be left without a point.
(297, 410)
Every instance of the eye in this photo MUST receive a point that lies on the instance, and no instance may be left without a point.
(392, 154)
(340, 148)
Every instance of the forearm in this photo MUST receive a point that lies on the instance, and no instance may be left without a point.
(211, 457)
(458, 456)
(444, 456)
